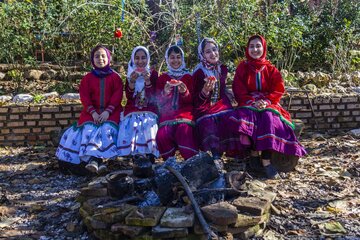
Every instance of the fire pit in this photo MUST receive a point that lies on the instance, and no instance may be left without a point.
(134, 205)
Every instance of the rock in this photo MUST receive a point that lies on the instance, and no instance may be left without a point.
(252, 205)
(33, 74)
(75, 76)
(107, 235)
(355, 76)
(2, 75)
(94, 192)
(177, 217)
(5, 98)
(147, 216)
(113, 214)
(51, 73)
(99, 182)
(355, 132)
(346, 77)
(162, 232)
(310, 87)
(97, 224)
(91, 204)
(73, 227)
(217, 228)
(131, 231)
(221, 213)
(71, 96)
(22, 98)
(50, 95)
(356, 89)
(300, 75)
(284, 73)
(250, 220)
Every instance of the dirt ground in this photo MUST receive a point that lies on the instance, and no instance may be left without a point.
(319, 200)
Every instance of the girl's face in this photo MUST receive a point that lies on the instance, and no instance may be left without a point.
(175, 60)
(211, 53)
(101, 59)
(256, 48)
(140, 59)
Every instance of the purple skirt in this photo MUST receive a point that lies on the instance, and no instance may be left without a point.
(267, 131)
(215, 133)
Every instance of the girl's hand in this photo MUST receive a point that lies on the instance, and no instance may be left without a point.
(147, 78)
(167, 88)
(182, 87)
(133, 76)
(103, 116)
(95, 116)
(260, 104)
(208, 86)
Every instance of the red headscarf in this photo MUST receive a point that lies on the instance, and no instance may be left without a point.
(257, 64)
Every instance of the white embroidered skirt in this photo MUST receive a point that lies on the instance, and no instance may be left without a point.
(90, 140)
(137, 132)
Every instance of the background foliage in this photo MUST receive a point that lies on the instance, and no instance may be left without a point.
(300, 37)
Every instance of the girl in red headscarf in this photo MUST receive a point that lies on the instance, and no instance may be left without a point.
(258, 88)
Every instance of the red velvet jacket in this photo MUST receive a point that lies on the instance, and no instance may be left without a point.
(150, 92)
(176, 106)
(100, 94)
(202, 104)
(267, 84)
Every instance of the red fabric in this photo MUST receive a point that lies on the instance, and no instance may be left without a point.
(257, 64)
(202, 103)
(149, 94)
(90, 94)
(165, 107)
(272, 87)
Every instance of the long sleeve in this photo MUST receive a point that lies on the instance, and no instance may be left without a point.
(85, 94)
(277, 87)
(117, 93)
(240, 87)
(199, 98)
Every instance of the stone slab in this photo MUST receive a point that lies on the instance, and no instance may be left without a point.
(147, 216)
(252, 205)
(113, 214)
(222, 213)
(177, 217)
(131, 231)
(250, 220)
(163, 232)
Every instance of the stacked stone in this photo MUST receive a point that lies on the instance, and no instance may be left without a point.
(109, 218)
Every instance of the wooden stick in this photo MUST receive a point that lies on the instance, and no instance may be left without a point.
(205, 226)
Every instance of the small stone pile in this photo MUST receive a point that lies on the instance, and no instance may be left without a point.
(109, 218)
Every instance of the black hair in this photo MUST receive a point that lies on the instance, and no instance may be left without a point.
(140, 49)
(174, 49)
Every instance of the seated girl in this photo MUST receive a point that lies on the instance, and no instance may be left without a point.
(258, 88)
(174, 90)
(138, 126)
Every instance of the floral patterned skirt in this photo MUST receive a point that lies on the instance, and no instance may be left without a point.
(89, 140)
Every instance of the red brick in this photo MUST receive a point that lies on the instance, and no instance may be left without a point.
(353, 106)
(19, 109)
(49, 129)
(345, 119)
(14, 117)
(50, 109)
(31, 117)
(4, 131)
(47, 123)
(2, 138)
(77, 108)
(15, 137)
(47, 116)
(21, 130)
(340, 106)
(4, 109)
(64, 122)
(63, 115)
(34, 109)
(77, 115)
(304, 115)
(3, 118)
(66, 108)
(31, 137)
(31, 123)
(326, 107)
(44, 137)
(15, 124)
(349, 99)
(36, 130)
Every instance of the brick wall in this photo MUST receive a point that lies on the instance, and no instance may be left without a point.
(32, 125)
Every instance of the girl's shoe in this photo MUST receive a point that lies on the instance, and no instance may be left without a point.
(255, 164)
(102, 169)
(271, 172)
(92, 166)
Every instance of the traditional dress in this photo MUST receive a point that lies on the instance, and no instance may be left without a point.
(175, 111)
(100, 90)
(270, 128)
(138, 125)
(212, 112)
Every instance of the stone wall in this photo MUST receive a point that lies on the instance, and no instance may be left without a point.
(32, 125)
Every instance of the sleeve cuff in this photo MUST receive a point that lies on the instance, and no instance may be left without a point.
(110, 108)
(90, 109)
(249, 102)
(203, 96)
